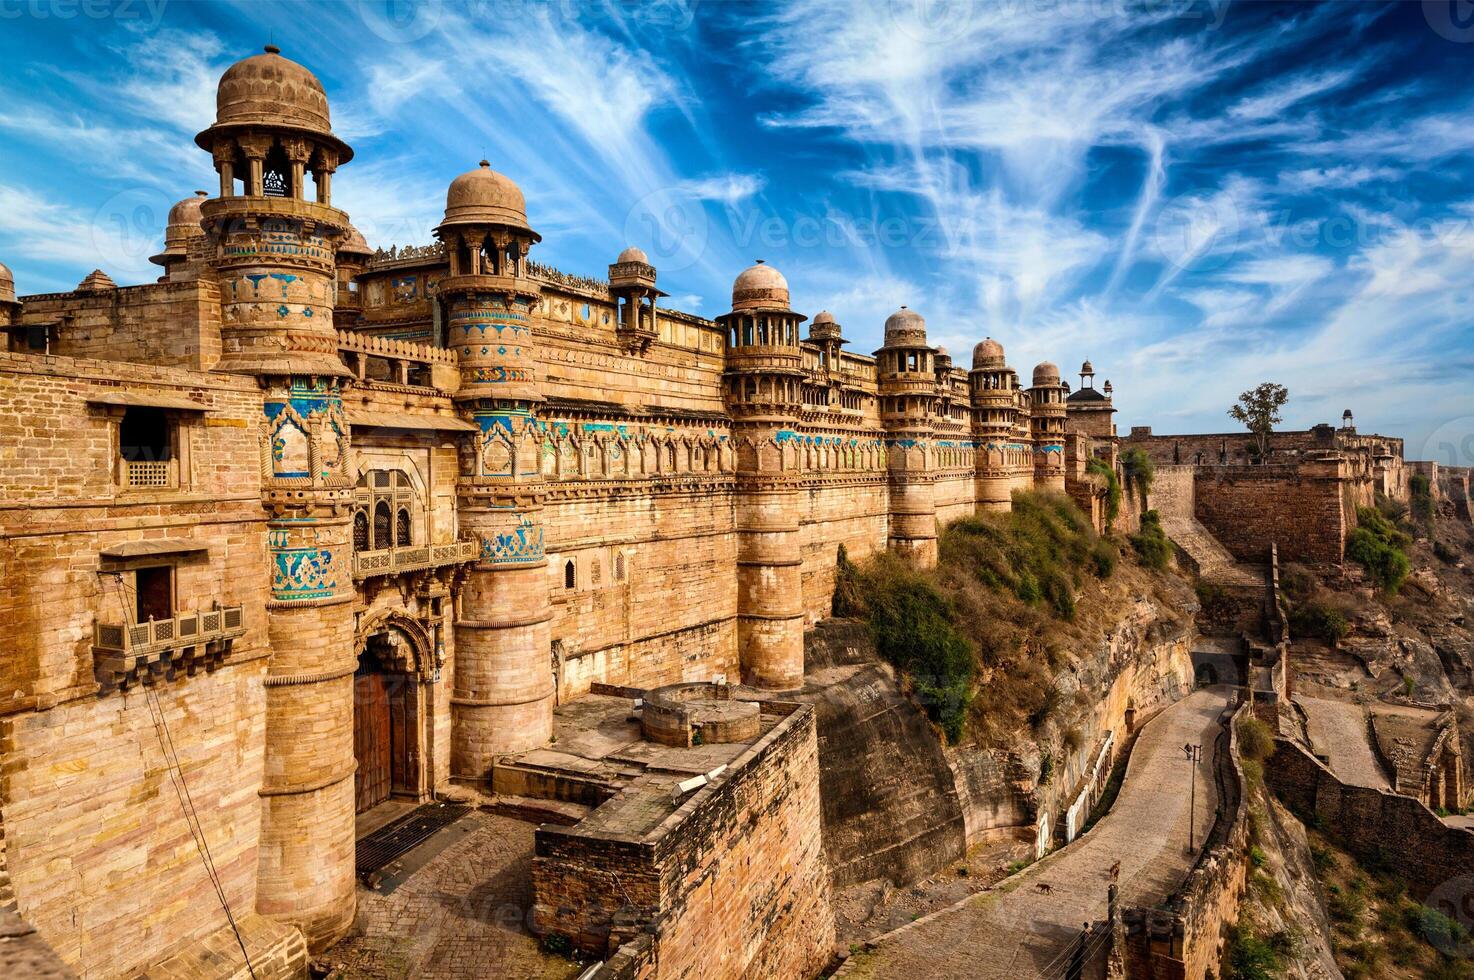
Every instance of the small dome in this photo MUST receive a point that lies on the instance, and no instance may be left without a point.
(987, 354)
(354, 244)
(269, 91)
(632, 254)
(905, 328)
(1046, 373)
(97, 281)
(760, 287)
(183, 226)
(485, 197)
(822, 317)
(1087, 368)
(7, 285)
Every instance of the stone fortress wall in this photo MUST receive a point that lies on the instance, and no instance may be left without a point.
(295, 482)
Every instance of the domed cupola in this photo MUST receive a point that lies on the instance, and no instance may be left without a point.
(1046, 373)
(183, 227)
(483, 197)
(988, 354)
(760, 287)
(905, 328)
(632, 284)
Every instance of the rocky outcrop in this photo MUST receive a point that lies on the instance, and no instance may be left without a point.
(898, 805)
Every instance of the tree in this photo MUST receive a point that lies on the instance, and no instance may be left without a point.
(1259, 410)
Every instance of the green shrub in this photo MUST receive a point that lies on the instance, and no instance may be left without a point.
(1422, 500)
(1379, 547)
(557, 944)
(1139, 471)
(1249, 957)
(1113, 486)
(1321, 620)
(1256, 741)
(912, 626)
(1444, 553)
(1151, 543)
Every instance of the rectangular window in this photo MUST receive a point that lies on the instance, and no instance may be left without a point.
(155, 588)
(146, 443)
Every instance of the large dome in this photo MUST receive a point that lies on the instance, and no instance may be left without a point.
(905, 328)
(485, 197)
(987, 354)
(1047, 373)
(760, 287)
(269, 91)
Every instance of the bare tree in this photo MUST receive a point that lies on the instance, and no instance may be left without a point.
(1259, 410)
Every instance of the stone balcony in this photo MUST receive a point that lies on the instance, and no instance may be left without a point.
(396, 561)
(125, 654)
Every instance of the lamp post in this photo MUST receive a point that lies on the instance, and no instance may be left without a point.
(1194, 754)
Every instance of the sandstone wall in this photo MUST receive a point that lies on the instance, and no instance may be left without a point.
(1430, 853)
(849, 512)
(175, 324)
(733, 883)
(1298, 506)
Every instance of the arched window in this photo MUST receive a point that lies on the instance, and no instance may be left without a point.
(401, 529)
(569, 574)
(383, 521)
(619, 567)
(360, 531)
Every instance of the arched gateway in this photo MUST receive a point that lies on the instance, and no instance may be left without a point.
(391, 712)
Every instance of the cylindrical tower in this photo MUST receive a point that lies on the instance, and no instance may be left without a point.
(1047, 427)
(907, 383)
(502, 701)
(764, 392)
(993, 389)
(353, 255)
(273, 252)
(182, 230)
(9, 308)
(632, 284)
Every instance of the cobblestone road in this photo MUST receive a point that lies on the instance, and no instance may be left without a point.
(464, 914)
(1018, 930)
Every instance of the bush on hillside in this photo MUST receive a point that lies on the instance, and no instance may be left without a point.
(1113, 487)
(1151, 542)
(1379, 547)
(1139, 471)
(1422, 500)
(1319, 619)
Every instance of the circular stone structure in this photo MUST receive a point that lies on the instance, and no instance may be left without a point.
(702, 713)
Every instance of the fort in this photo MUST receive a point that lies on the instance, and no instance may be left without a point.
(305, 528)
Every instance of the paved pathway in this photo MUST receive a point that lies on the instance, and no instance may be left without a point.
(1018, 931)
(463, 914)
(1338, 730)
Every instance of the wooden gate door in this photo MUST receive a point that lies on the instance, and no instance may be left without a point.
(404, 765)
(371, 739)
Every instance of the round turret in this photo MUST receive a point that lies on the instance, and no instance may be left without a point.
(7, 284)
(988, 354)
(269, 92)
(1047, 373)
(905, 328)
(1087, 368)
(824, 327)
(182, 228)
(485, 197)
(760, 287)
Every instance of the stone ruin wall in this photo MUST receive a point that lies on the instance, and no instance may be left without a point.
(1301, 507)
(733, 883)
(172, 324)
(99, 853)
(1430, 853)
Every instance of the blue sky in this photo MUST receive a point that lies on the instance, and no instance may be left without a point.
(1196, 196)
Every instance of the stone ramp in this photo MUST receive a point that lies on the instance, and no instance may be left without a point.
(1020, 930)
(1209, 558)
(1338, 732)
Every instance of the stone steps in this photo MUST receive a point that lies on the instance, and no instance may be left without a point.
(1203, 553)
